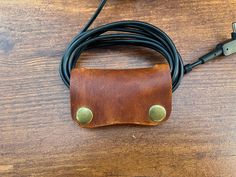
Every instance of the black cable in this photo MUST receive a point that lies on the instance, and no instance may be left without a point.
(128, 33)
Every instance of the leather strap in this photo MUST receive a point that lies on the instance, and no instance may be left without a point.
(121, 96)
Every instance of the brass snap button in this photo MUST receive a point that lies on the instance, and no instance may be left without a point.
(157, 113)
(84, 115)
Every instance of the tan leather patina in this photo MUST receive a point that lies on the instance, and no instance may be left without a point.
(121, 96)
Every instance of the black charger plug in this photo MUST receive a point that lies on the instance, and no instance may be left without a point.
(226, 48)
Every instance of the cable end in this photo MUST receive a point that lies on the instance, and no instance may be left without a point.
(234, 27)
(229, 47)
(226, 48)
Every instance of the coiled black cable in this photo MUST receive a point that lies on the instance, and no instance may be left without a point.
(126, 33)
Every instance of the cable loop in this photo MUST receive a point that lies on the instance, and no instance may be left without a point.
(122, 33)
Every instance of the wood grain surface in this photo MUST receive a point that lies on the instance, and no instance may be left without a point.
(37, 135)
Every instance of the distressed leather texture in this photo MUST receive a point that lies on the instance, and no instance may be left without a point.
(120, 96)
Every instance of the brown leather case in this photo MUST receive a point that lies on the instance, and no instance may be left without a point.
(121, 96)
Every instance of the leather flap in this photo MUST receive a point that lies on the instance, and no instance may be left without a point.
(120, 96)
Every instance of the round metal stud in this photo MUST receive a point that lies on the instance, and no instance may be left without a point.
(84, 115)
(157, 113)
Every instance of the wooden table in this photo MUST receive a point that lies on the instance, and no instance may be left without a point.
(37, 135)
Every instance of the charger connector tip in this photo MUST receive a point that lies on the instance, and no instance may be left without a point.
(234, 27)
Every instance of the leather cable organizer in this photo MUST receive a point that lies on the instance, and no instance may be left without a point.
(102, 97)
(121, 96)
